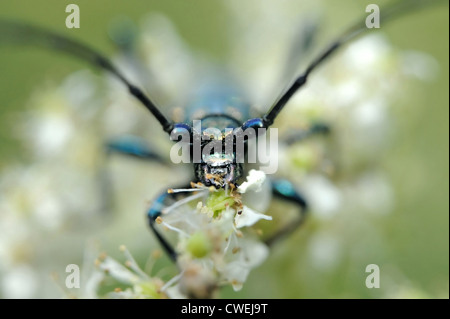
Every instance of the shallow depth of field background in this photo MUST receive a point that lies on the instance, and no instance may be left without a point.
(416, 231)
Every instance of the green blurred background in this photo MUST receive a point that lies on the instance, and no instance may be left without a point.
(417, 231)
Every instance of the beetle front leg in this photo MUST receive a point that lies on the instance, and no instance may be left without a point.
(135, 147)
(154, 211)
(131, 146)
(299, 135)
(285, 190)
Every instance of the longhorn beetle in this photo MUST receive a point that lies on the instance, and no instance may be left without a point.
(217, 169)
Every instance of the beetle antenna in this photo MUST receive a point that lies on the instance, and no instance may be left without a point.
(18, 33)
(387, 14)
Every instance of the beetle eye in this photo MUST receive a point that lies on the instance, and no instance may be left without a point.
(249, 129)
(254, 124)
(181, 132)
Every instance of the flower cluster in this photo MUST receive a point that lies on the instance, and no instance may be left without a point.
(214, 247)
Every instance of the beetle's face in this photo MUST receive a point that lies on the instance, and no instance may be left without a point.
(218, 170)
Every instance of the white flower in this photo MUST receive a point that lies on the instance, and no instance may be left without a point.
(251, 254)
(254, 182)
(213, 246)
(142, 286)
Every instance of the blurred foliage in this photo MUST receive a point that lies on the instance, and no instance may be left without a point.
(416, 232)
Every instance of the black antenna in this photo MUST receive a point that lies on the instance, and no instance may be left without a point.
(16, 32)
(386, 14)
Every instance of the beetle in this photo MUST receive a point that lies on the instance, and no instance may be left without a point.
(219, 170)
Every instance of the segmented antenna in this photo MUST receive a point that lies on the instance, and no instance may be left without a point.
(18, 33)
(386, 14)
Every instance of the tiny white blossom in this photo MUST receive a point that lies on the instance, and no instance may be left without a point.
(211, 247)
(248, 217)
(118, 271)
(254, 182)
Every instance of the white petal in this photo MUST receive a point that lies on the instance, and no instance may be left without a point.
(92, 284)
(261, 200)
(174, 292)
(236, 273)
(252, 254)
(254, 181)
(118, 271)
(248, 217)
(255, 252)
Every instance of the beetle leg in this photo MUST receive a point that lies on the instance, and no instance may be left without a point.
(136, 147)
(285, 190)
(131, 146)
(300, 135)
(154, 211)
